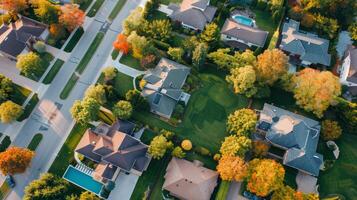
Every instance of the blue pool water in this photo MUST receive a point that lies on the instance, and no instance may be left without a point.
(243, 20)
(82, 180)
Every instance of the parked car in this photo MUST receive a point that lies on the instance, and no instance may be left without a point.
(10, 181)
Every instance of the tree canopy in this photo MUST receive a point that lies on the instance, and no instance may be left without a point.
(71, 16)
(134, 21)
(199, 55)
(243, 79)
(46, 11)
(96, 92)
(210, 33)
(88, 196)
(159, 29)
(235, 146)
(123, 109)
(178, 152)
(138, 44)
(85, 111)
(29, 64)
(14, 6)
(242, 122)
(110, 72)
(15, 160)
(10, 111)
(6, 88)
(122, 44)
(232, 168)
(158, 146)
(330, 130)
(176, 54)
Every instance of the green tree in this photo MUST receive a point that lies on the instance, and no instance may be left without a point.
(134, 21)
(347, 112)
(110, 73)
(88, 196)
(326, 26)
(199, 55)
(138, 44)
(40, 47)
(159, 30)
(6, 87)
(30, 64)
(158, 146)
(178, 152)
(85, 111)
(243, 79)
(223, 59)
(123, 109)
(353, 31)
(10, 111)
(242, 122)
(136, 99)
(46, 11)
(235, 146)
(176, 54)
(96, 92)
(47, 187)
(330, 130)
(210, 33)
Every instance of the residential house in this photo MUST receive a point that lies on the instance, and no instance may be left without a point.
(189, 180)
(163, 88)
(17, 37)
(304, 48)
(242, 36)
(348, 69)
(193, 14)
(114, 149)
(297, 135)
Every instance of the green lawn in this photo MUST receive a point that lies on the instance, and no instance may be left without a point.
(35, 141)
(5, 143)
(130, 61)
(4, 190)
(122, 84)
(65, 156)
(265, 21)
(29, 108)
(94, 9)
(69, 86)
(53, 72)
(74, 40)
(223, 190)
(167, 2)
(115, 54)
(90, 52)
(116, 9)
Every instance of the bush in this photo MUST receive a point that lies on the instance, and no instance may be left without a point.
(330, 130)
(161, 45)
(217, 156)
(186, 145)
(167, 134)
(202, 151)
(178, 152)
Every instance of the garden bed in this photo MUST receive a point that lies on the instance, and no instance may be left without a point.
(74, 40)
(53, 72)
(35, 141)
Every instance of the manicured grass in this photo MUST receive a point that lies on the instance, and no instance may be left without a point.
(53, 72)
(65, 155)
(5, 143)
(19, 94)
(4, 190)
(74, 40)
(35, 141)
(167, 2)
(176, 40)
(116, 9)
(265, 21)
(130, 61)
(122, 84)
(94, 9)
(69, 86)
(115, 54)
(29, 108)
(89, 53)
(223, 190)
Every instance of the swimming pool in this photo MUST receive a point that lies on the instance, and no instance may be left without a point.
(243, 20)
(82, 180)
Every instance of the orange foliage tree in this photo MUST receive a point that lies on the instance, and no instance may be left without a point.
(121, 44)
(264, 176)
(232, 168)
(71, 16)
(14, 6)
(57, 31)
(15, 160)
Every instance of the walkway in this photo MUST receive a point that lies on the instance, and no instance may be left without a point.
(233, 192)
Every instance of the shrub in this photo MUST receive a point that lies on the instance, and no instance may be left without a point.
(203, 151)
(186, 145)
(330, 130)
(178, 152)
(167, 134)
(217, 156)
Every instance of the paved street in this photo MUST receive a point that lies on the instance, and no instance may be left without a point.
(52, 113)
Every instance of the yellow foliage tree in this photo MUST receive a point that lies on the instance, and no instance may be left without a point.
(232, 168)
(235, 146)
(186, 145)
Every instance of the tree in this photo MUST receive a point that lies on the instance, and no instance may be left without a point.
(158, 147)
(284, 193)
(46, 11)
(150, 7)
(315, 91)
(235, 146)
(271, 65)
(189, 44)
(57, 31)
(134, 21)
(223, 59)
(85, 111)
(243, 79)
(326, 25)
(96, 92)
(210, 33)
(123, 109)
(47, 187)
(10, 111)
(330, 130)
(347, 112)
(15, 160)
(136, 99)
(29, 64)
(159, 29)
(14, 6)
(352, 29)
(138, 44)
(148, 62)
(186, 145)
(232, 168)
(71, 16)
(242, 122)
(178, 152)
(40, 47)
(199, 55)
(88, 196)
(264, 176)
(121, 44)
(176, 54)
(260, 148)
(110, 73)
(6, 87)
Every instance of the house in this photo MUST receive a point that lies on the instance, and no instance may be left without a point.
(240, 32)
(348, 69)
(297, 135)
(193, 14)
(163, 88)
(17, 37)
(114, 150)
(304, 48)
(189, 180)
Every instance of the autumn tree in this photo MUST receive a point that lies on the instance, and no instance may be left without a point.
(15, 160)
(57, 31)
(232, 168)
(243, 79)
(186, 145)
(148, 61)
(178, 152)
(189, 44)
(88, 196)
(158, 146)
(264, 176)
(199, 55)
(176, 54)
(46, 11)
(260, 148)
(85, 111)
(284, 193)
(122, 44)
(14, 6)
(352, 29)
(235, 146)
(30, 64)
(242, 122)
(330, 130)
(110, 73)
(159, 29)
(123, 109)
(136, 99)
(134, 21)
(138, 44)
(326, 25)
(315, 91)
(47, 187)
(347, 112)
(71, 16)
(225, 60)
(39, 47)
(271, 65)
(210, 33)
(96, 92)
(6, 88)
(10, 111)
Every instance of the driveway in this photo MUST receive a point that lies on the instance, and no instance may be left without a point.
(233, 192)
(124, 187)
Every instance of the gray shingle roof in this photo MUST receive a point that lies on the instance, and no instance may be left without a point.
(310, 47)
